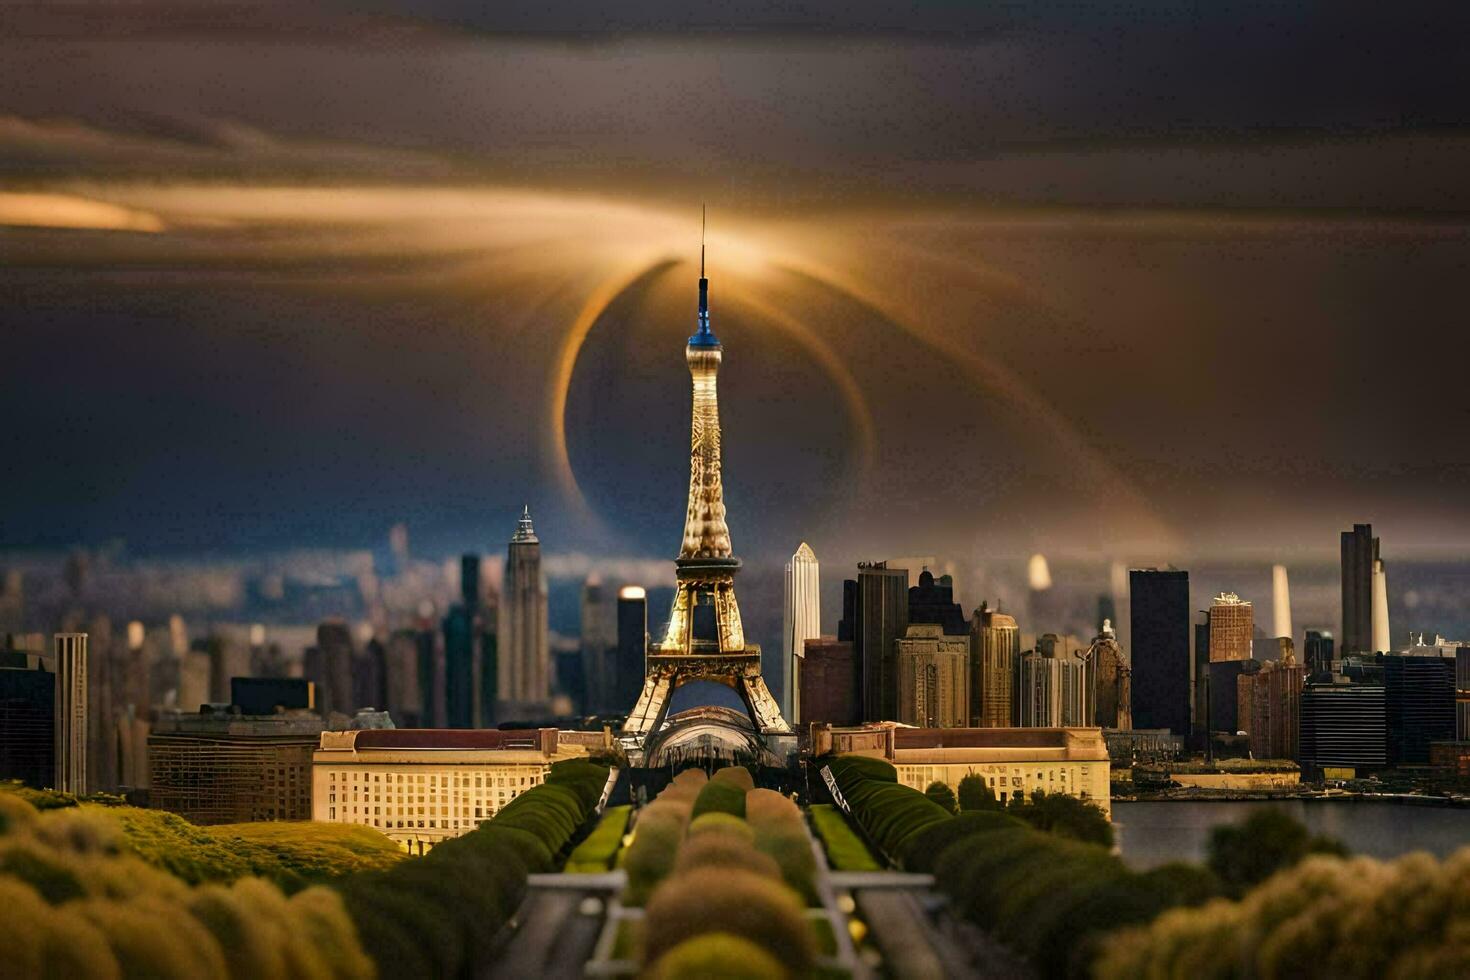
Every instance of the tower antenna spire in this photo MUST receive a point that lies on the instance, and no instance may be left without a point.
(702, 219)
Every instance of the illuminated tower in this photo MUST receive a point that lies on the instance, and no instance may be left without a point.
(705, 639)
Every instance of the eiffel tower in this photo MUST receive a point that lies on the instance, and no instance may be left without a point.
(704, 640)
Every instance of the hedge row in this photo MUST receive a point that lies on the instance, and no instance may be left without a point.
(715, 858)
(889, 812)
(595, 854)
(1326, 917)
(439, 915)
(1049, 897)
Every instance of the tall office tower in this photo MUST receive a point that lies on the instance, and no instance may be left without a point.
(405, 700)
(1381, 641)
(632, 655)
(832, 683)
(995, 643)
(370, 675)
(1052, 690)
(802, 622)
(430, 658)
(933, 677)
(1269, 707)
(1419, 695)
(1202, 675)
(525, 659)
(1045, 604)
(1159, 610)
(1111, 681)
(1232, 623)
(71, 713)
(598, 640)
(1359, 553)
(27, 719)
(334, 686)
(932, 601)
(1319, 653)
(1343, 726)
(847, 625)
(705, 638)
(1462, 694)
(882, 617)
(1280, 602)
(101, 707)
(461, 633)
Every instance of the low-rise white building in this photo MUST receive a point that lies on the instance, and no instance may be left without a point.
(422, 786)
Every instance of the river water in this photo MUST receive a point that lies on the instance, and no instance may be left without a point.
(1153, 833)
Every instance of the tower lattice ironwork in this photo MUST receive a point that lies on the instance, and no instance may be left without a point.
(705, 639)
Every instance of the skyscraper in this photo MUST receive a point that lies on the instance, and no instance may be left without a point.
(1344, 726)
(1112, 680)
(598, 639)
(995, 643)
(71, 713)
(933, 677)
(1359, 553)
(334, 686)
(1232, 623)
(882, 617)
(802, 622)
(1159, 610)
(525, 660)
(631, 664)
(27, 719)
(1419, 696)
(1319, 652)
(831, 690)
(1052, 689)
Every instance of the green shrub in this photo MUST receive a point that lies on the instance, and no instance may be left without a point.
(724, 851)
(720, 797)
(791, 849)
(1065, 815)
(15, 813)
(650, 858)
(595, 854)
(737, 776)
(717, 956)
(1268, 841)
(707, 900)
(765, 806)
(722, 823)
(855, 767)
(976, 794)
(925, 847)
(586, 779)
(941, 794)
(845, 849)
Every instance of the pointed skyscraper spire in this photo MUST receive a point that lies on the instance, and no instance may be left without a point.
(525, 530)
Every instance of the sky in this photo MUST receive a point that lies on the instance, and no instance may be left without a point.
(1111, 280)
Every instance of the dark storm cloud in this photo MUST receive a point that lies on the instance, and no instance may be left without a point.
(1221, 251)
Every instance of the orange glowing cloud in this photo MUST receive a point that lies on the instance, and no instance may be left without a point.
(38, 210)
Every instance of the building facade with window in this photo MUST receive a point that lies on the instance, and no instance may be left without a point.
(1013, 761)
(216, 766)
(423, 786)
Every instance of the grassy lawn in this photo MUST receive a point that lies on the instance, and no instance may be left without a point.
(845, 849)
